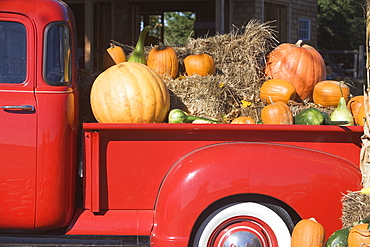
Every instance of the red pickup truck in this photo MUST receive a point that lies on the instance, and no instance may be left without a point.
(162, 184)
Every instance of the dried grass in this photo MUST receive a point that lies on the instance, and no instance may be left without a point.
(239, 57)
(356, 206)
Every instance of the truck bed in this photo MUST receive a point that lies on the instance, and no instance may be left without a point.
(131, 161)
(343, 141)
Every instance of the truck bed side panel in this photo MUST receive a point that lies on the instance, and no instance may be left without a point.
(134, 161)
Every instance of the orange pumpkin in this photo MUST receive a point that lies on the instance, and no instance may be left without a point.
(163, 60)
(199, 64)
(300, 64)
(243, 120)
(112, 56)
(308, 233)
(361, 115)
(359, 236)
(327, 93)
(277, 113)
(277, 90)
(129, 92)
(354, 105)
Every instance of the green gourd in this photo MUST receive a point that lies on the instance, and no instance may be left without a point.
(341, 112)
(339, 238)
(179, 116)
(313, 116)
(138, 55)
(328, 121)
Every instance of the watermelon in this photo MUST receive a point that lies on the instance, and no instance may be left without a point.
(310, 116)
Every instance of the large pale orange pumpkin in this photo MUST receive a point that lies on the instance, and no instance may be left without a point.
(129, 92)
(113, 55)
(243, 120)
(277, 113)
(199, 64)
(277, 90)
(308, 233)
(300, 64)
(354, 105)
(359, 236)
(163, 60)
(327, 93)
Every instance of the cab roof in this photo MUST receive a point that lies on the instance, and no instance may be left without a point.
(40, 11)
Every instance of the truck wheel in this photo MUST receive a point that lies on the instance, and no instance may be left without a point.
(245, 224)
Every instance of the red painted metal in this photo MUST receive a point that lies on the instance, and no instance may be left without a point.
(38, 148)
(92, 174)
(302, 178)
(18, 144)
(294, 164)
(112, 222)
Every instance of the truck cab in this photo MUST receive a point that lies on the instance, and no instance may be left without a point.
(38, 113)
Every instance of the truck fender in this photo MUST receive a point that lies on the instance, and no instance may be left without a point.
(307, 180)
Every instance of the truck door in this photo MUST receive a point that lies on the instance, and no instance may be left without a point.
(18, 121)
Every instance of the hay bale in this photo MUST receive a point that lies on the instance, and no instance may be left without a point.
(356, 206)
(239, 58)
(198, 95)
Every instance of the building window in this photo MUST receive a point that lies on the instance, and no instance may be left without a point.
(304, 29)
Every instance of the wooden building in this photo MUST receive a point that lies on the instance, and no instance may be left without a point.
(98, 21)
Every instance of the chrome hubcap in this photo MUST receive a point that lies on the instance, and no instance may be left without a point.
(241, 232)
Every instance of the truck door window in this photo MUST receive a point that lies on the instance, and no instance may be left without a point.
(57, 60)
(12, 52)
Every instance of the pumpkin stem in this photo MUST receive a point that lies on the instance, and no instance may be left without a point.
(362, 232)
(162, 47)
(299, 43)
(138, 53)
(313, 219)
(271, 101)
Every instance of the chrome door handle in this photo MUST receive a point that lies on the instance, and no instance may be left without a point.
(18, 108)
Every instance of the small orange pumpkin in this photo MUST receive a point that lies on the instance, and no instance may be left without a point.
(163, 60)
(327, 93)
(277, 113)
(277, 90)
(113, 55)
(129, 92)
(359, 236)
(361, 115)
(243, 120)
(300, 64)
(199, 64)
(354, 105)
(308, 233)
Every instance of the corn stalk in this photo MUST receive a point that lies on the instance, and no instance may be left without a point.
(365, 150)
